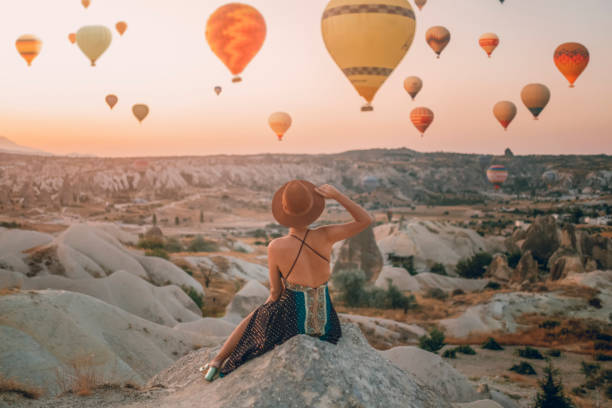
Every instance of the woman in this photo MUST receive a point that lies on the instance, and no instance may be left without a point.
(299, 301)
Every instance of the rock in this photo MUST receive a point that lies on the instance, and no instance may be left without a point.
(302, 372)
(161, 272)
(230, 267)
(498, 269)
(360, 252)
(543, 238)
(208, 326)
(13, 243)
(426, 280)
(590, 265)
(252, 295)
(526, 270)
(479, 404)
(45, 331)
(598, 248)
(386, 332)
(564, 261)
(433, 371)
(240, 246)
(154, 233)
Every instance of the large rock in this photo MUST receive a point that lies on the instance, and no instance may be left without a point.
(498, 269)
(252, 295)
(597, 248)
(45, 332)
(230, 267)
(432, 370)
(385, 332)
(542, 238)
(302, 372)
(360, 252)
(526, 270)
(13, 243)
(426, 280)
(563, 262)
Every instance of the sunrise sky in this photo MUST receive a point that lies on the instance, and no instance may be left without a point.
(163, 60)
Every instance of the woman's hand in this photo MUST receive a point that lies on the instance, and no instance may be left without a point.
(328, 191)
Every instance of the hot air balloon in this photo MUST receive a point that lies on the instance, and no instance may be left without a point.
(420, 3)
(438, 38)
(488, 42)
(72, 38)
(85, 3)
(571, 59)
(549, 177)
(235, 32)
(370, 183)
(280, 123)
(497, 174)
(140, 111)
(29, 47)
(421, 118)
(501, 1)
(535, 97)
(218, 90)
(121, 27)
(93, 41)
(111, 100)
(504, 112)
(367, 41)
(413, 85)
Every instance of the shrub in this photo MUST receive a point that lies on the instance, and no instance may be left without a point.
(439, 269)
(530, 352)
(151, 243)
(350, 282)
(513, 259)
(433, 342)
(457, 292)
(197, 298)
(465, 349)
(450, 353)
(602, 345)
(259, 233)
(397, 300)
(523, 368)
(475, 266)
(551, 394)
(492, 285)
(199, 244)
(602, 357)
(491, 344)
(595, 302)
(406, 262)
(173, 245)
(436, 293)
(10, 224)
(158, 252)
(549, 324)
(554, 353)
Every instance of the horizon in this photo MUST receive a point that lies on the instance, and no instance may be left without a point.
(57, 104)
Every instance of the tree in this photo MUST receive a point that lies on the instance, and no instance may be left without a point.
(389, 216)
(201, 216)
(475, 266)
(176, 220)
(551, 394)
(433, 342)
(595, 378)
(154, 219)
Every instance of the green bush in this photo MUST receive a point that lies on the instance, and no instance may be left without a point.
(595, 302)
(439, 269)
(173, 245)
(151, 243)
(491, 344)
(158, 252)
(523, 368)
(465, 349)
(199, 244)
(435, 293)
(450, 353)
(406, 262)
(554, 353)
(433, 342)
(457, 292)
(10, 224)
(549, 324)
(551, 394)
(197, 298)
(602, 357)
(475, 266)
(492, 285)
(602, 345)
(530, 352)
(350, 282)
(397, 300)
(513, 258)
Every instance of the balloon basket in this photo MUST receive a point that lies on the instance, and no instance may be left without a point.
(367, 108)
(236, 79)
(280, 138)
(437, 56)
(572, 86)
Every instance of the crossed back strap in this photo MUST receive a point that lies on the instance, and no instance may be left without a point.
(300, 251)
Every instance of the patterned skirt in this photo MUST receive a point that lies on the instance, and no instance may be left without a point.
(299, 310)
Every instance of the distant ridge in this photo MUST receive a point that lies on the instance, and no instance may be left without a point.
(8, 146)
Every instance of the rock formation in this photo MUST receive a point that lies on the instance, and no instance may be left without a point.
(526, 270)
(499, 270)
(542, 238)
(360, 252)
(426, 280)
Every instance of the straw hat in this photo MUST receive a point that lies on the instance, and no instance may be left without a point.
(297, 204)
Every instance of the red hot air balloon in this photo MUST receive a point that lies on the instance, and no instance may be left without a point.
(488, 42)
(571, 59)
(421, 118)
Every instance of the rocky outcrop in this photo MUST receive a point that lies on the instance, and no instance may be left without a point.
(302, 372)
(597, 248)
(426, 280)
(360, 252)
(499, 270)
(252, 295)
(563, 262)
(526, 270)
(542, 238)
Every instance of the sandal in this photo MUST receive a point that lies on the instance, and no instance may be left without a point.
(211, 372)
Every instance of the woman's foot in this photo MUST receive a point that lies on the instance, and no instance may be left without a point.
(210, 370)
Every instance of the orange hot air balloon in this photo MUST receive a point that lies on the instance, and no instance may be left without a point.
(421, 118)
(29, 47)
(535, 97)
(111, 100)
(413, 86)
(504, 112)
(121, 27)
(140, 111)
(571, 59)
(72, 37)
(420, 3)
(235, 32)
(279, 122)
(438, 38)
(85, 3)
(488, 42)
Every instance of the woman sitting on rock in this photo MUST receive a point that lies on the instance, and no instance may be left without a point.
(300, 304)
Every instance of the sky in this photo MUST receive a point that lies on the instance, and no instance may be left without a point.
(163, 60)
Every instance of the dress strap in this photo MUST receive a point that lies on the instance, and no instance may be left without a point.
(298, 254)
(311, 248)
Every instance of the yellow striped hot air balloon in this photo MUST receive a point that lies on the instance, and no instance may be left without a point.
(504, 112)
(93, 41)
(488, 42)
(571, 59)
(279, 122)
(438, 38)
(497, 175)
(29, 47)
(413, 85)
(535, 97)
(236, 32)
(421, 118)
(367, 39)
